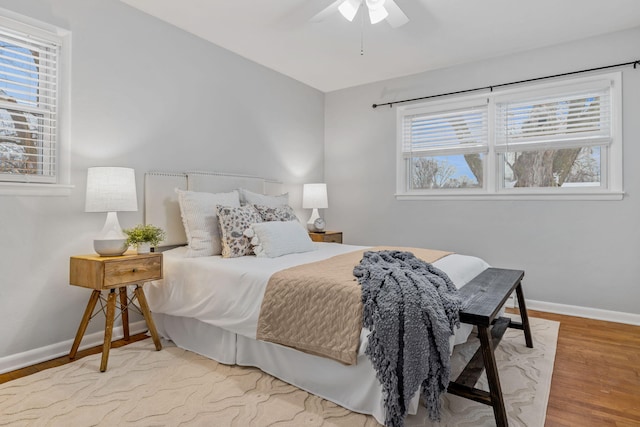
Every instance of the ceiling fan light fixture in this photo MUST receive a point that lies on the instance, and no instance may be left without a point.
(377, 15)
(349, 8)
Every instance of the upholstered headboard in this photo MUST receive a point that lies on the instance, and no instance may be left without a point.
(161, 206)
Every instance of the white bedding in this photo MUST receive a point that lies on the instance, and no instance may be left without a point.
(227, 292)
(211, 305)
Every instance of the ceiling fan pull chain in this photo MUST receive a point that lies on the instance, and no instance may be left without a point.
(362, 35)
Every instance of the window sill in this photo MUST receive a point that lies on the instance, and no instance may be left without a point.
(609, 195)
(24, 189)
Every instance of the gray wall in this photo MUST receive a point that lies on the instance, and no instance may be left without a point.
(582, 253)
(148, 96)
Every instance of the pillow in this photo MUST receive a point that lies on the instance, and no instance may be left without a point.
(233, 222)
(250, 198)
(279, 213)
(277, 238)
(200, 220)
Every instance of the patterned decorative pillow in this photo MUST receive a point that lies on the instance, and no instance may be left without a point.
(233, 222)
(280, 213)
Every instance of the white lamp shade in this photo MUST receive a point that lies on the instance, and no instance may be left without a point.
(111, 189)
(314, 196)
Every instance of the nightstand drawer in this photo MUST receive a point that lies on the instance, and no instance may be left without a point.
(96, 272)
(119, 273)
(333, 238)
(327, 237)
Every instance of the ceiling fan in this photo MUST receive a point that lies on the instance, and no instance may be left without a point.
(378, 11)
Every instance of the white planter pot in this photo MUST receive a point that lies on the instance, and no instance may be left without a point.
(144, 248)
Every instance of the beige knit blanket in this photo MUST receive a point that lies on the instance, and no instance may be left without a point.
(317, 307)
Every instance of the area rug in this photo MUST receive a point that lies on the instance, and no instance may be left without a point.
(175, 387)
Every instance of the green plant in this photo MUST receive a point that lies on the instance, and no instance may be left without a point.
(144, 233)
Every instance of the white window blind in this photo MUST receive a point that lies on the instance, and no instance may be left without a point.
(462, 131)
(28, 107)
(568, 120)
(555, 140)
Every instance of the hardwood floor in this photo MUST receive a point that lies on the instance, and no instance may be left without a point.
(596, 377)
(65, 359)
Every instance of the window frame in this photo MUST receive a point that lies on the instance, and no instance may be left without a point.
(611, 187)
(60, 186)
(434, 106)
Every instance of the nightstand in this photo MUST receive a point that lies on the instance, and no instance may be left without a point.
(327, 236)
(111, 274)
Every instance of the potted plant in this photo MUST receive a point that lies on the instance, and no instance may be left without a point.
(143, 237)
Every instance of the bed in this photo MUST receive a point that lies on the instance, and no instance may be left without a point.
(210, 305)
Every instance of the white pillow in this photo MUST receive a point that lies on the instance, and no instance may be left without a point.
(277, 238)
(200, 220)
(250, 198)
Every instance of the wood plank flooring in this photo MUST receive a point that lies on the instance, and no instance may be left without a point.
(65, 359)
(596, 377)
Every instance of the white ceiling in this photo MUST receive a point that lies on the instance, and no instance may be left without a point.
(326, 55)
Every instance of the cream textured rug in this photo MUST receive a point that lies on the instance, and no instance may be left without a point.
(174, 387)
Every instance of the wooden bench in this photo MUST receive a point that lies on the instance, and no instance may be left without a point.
(482, 299)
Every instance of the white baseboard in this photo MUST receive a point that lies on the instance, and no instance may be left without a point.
(590, 313)
(49, 352)
(42, 354)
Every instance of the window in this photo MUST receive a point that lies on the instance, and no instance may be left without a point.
(30, 64)
(445, 148)
(557, 140)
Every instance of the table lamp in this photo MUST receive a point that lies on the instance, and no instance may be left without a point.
(314, 196)
(111, 190)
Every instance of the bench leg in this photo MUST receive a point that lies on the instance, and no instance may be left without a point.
(491, 369)
(524, 316)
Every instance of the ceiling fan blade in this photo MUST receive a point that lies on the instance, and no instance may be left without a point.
(326, 12)
(396, 17)
(377, 15)
(349, 9)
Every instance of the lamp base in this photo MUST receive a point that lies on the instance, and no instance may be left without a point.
(110, 247)
(310, 223)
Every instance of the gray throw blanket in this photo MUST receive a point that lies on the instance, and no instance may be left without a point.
(411, 308)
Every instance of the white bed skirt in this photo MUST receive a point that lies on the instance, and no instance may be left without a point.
(194, 335)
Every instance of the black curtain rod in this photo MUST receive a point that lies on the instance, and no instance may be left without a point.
(390, 104)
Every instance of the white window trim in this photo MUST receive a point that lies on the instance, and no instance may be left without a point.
(612, 169)
(63, 186)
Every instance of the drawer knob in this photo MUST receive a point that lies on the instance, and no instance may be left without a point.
(134, 270)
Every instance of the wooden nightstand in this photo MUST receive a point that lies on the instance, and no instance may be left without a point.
(111, 273)
(327, 236)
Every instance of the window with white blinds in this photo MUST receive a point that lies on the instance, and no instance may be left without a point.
(560, 138)
(436, 143)
(462, 130)
(29, 63)
(575, 119)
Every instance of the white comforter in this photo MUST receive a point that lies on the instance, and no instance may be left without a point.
(228, 292)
